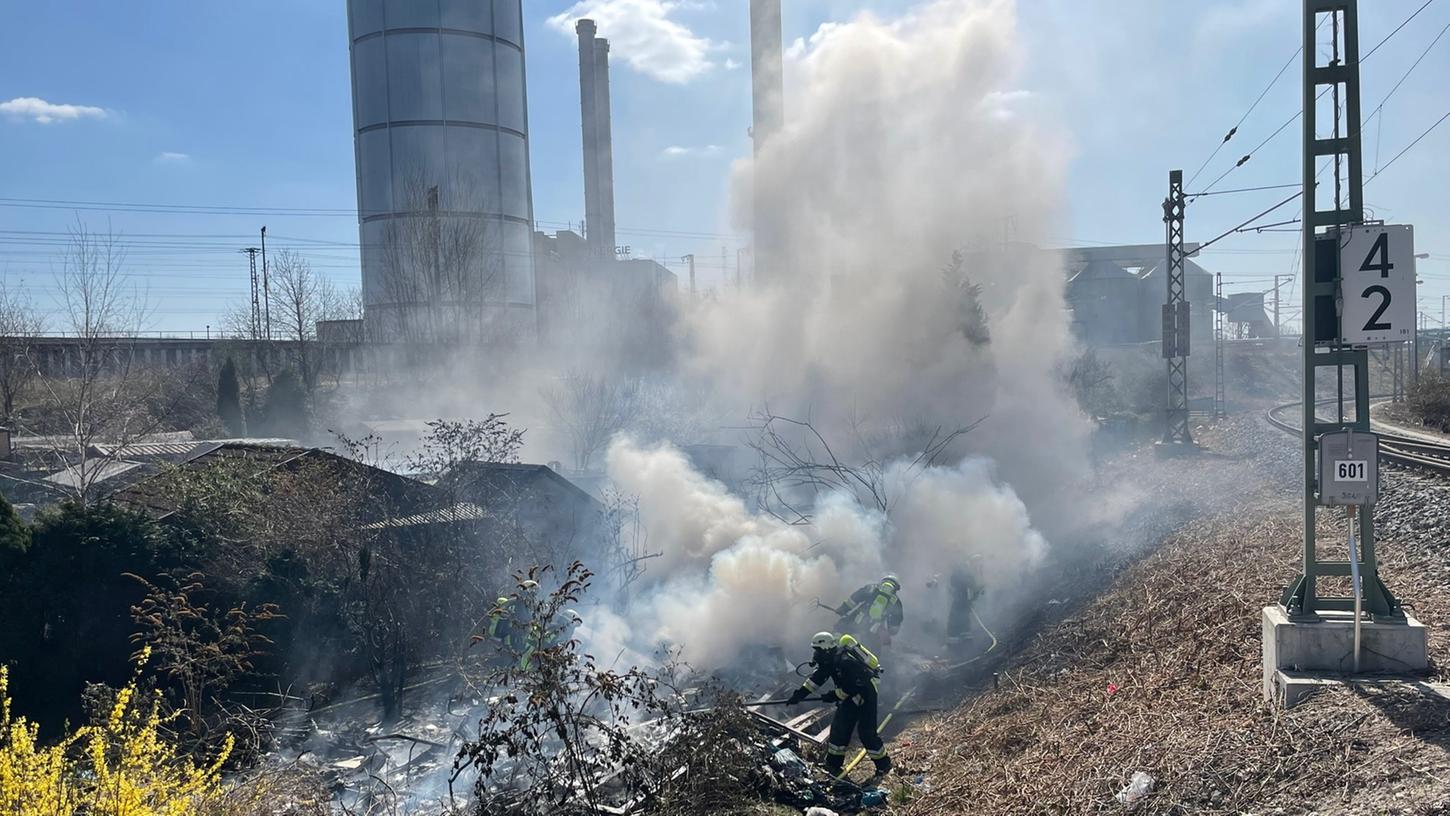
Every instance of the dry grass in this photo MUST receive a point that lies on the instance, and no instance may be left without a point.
(1178, 635)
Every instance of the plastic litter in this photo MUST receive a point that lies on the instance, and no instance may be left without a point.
(790, 764)
(874, 798)
(921, 783)
(820, 811)
(1139, 786)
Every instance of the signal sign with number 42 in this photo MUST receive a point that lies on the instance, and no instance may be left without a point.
(1377, 284)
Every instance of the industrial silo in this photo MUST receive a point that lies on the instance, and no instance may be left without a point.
(444, 201)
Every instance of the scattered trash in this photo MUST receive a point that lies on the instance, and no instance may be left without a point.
(874, 798)
(921, 783)
(1112, 689)
(789, 763)
(1139, 786)
(820, 811)
(350, 764)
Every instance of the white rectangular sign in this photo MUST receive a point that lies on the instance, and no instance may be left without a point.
(1377, 284)
(1351, 471)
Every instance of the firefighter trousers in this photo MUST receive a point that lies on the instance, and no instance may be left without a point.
(858, 714)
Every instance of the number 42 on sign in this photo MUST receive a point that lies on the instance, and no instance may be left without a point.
(1377, 284)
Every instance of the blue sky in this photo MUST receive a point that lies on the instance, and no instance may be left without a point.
(247, 105)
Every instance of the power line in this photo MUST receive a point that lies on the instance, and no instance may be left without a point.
(1417, 140)
(1370, 53)
(1249, 155)
(1220, 237)
(1235, 129)
(1244, 190)
(320, 212)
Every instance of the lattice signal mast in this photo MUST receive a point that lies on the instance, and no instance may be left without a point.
(1175, 318)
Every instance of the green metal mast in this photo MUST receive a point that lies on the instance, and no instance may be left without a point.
(1321, 336)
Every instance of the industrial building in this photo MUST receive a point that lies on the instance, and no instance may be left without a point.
(445, 207)
(1116, 295)
(589, 296)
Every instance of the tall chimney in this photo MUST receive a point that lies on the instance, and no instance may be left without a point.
(604, 150)
(767, 77)
(588, 100)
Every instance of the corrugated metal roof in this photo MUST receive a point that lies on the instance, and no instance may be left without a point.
(462, 511)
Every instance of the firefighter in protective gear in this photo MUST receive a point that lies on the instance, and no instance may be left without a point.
(874, 609)
(512, 616)
(560, 631)
(853, 669)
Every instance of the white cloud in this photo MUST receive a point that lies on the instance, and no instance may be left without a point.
(39, 110)
(169, 157)
(680, 152)
(646, 36)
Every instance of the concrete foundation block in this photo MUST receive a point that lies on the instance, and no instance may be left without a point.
(1298, 655)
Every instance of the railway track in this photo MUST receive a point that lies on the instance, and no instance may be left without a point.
(1399, 449)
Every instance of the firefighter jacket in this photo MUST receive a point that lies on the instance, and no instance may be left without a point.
(875, 607)
(850, 666)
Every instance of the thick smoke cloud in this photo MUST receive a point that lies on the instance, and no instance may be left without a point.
(729, 578)
(904, 144)
(906, 141)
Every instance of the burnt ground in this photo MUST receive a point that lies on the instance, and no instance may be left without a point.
(1155, 665)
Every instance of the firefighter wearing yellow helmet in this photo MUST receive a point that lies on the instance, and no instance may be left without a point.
(874, 609)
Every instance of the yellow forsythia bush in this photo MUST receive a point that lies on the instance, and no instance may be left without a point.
(125, 766)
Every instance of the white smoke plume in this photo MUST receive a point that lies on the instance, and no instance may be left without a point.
(729, 578)
(903, 145)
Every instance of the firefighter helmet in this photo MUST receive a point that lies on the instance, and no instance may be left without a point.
(823, 640)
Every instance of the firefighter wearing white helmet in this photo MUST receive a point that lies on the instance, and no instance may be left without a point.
(854, 670)
(874, 609)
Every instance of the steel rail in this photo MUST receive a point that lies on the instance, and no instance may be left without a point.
(1401, 450)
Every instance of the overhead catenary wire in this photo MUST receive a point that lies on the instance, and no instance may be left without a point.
(1280, 129)
(1418, 139)
(1235, 129)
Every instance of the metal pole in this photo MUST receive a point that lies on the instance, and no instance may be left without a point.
(266, 287)
(1176, 334)
(1321, 344)
(1278, 296)
(1220, 320)
(690, 259)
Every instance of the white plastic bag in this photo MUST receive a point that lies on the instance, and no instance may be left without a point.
(1139, 786)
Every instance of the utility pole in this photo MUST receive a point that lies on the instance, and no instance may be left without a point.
(1277, 297)
(1220, 321)
(1175, 321)
(690, 259)
(1322, 343)
(256, 315)
(266, 287)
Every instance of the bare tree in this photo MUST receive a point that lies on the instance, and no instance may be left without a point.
(797, 465)
(301, 298)
(99, 402)
(20, 325)
(442, 262)
(592, 408)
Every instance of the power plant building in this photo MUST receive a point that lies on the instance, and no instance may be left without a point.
(444, 198)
